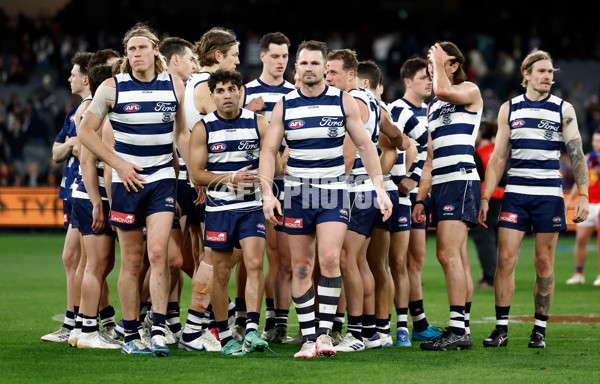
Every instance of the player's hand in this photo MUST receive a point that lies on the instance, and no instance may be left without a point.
(271, 205)
(418, 216)
(202, 196)
(128, 172)
(241, 179)
(581, 210)
(385, 205)
(406, 185)
(484, 207)
(98, 218)
(256, 105)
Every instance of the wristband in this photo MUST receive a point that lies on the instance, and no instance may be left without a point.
(419, 202)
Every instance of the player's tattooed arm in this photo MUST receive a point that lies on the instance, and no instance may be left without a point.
(574, 148)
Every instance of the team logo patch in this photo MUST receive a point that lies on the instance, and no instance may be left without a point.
(123, 218)
(219, 237)
(279, 220)
(403, 220)
(557, 219)
(448, 208)
(508, 217)
(218, 147)
(65, 218)
(518, 123)
(132, 107)
(260, 226)
(344, 212)
(332, 131)
(72, 118)
(170, 200)
(296, 124)
(167, 116)
(293, 223)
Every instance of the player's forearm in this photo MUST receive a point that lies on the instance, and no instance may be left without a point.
(368, 155)
(266, 171)
(578, 165)
(493, 173)
(61, 152)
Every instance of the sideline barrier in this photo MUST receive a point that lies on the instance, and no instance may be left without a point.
(33, 207)
(40, 207)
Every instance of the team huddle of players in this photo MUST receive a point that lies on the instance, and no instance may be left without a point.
(196, 172)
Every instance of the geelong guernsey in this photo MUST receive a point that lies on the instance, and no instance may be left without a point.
(315, 128)
(72, 164)
(536, 139)
(232, 144)
(453, 132)
(142, 120)
(270, 94)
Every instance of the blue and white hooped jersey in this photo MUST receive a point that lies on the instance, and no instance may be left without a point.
(79, 190)
(453, 132)
(536, 139)
(315, 128)
(408, 122)
(270, 94)
(192, 115)
(72, 164)
(142, 120)
(232, 144)
(372, 127)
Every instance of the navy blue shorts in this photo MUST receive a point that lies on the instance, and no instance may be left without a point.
(304, 207)
(363, 212)
(456, 200)
(184, 195)
(225, 229)
(82, 209)
(278, 191)
(130, 209)
(67, 209)
(532, 213)
(399, 220)
(413, 198)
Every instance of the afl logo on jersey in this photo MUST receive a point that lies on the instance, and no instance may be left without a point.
(219, 147)
(170, 200)
(403, 220)
(448, 208)
(518, 123)
(132, 107)
(72, 118)
(296, 124)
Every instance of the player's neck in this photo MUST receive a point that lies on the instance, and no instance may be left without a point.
(413, 99)
(535, 95)
(145, 76)
(312, 90)
(351, 85)
(85, 93)
(228, 115)
(270, 79)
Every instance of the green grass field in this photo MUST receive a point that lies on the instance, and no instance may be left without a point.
(32, 286)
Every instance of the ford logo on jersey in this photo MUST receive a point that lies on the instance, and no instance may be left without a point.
(296, 124)
(219, 147)
(518, 123)
(132, 107)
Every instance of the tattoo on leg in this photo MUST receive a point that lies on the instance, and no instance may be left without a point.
(543, 295)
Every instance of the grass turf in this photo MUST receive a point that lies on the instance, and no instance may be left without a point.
(32, 283)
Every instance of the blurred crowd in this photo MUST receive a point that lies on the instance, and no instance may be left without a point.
(35, 57)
